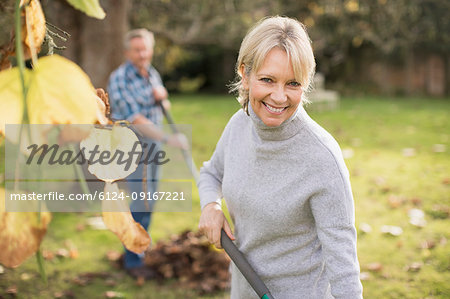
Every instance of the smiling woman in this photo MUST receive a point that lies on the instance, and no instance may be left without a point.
(274, 93)
(282, 176)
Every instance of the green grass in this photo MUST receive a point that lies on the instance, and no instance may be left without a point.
(376, 129)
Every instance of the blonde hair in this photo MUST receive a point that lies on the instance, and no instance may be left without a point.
(147, 35)
(283, 32)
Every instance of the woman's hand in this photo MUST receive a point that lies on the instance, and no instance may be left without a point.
(211, 223)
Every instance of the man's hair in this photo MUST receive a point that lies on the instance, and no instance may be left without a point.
(282, 32)
(141, 33)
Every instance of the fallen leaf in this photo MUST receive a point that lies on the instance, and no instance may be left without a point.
(392, 230)
(62, 252)
(375, 267)
(73, 253)
(96, 223)
(395, 201)
(365, 228)
(133, 236)
(416, 201)
(80, 227)
(20, 234)
(439, 148)
(113, 255)
(48, 255)
(112, 294)
(12, 290)
(414, 267)
(428, 244)
(2, 270)
(409, 152)
(348, 153)
(417, 217)
(110, 282)
(25, 276)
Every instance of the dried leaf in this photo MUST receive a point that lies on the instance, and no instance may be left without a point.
(414, 267)
(417, 217)
(439, 148)
(113, 256)
(107, 140)
(133, 236)
(33, 28)
(375, 267)
(365, 228)
(409, 152)
(12, 290)
(20, 234)
(392, 230)
(112, 294)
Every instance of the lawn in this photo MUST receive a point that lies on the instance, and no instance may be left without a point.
(397, 153)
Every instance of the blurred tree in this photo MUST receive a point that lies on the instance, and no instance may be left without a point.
(200, 38)
(95, 45)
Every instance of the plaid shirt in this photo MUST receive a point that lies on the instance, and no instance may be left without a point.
(131, 94)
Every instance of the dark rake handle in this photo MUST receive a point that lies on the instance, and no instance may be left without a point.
(246, 269)
(189, 161)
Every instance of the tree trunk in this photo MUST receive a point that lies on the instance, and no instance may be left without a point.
(95, 45)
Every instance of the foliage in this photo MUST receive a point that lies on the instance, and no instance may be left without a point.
(340, 30)
(54, 91)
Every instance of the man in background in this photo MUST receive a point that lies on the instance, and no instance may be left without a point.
(135, 88)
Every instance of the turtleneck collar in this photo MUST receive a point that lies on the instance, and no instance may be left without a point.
(286, 130)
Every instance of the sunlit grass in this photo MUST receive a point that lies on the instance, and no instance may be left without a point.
(386, 185)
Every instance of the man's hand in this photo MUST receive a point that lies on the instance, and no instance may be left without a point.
(160, 93)
(178, 140)
(211, 223)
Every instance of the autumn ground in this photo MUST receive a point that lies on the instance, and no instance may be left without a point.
(398, 155)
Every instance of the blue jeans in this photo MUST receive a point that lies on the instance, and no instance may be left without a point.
(141, 209)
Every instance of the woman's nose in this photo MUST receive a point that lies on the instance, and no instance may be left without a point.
(278, 95)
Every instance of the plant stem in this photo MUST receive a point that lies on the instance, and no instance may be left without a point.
(20, 60)
(25, 118)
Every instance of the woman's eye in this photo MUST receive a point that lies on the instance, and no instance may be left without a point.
(268, 80)
(294, 84)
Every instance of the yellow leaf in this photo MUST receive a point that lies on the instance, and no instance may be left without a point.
(20, 234)
(133, 236)
(112, 140)
(90, 7)
(60, 93)
(10, 98)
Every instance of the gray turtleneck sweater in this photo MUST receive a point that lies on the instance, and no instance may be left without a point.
(288, 193)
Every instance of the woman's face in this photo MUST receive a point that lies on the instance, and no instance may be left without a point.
(273, 91)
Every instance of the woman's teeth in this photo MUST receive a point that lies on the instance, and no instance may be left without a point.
(273, 109)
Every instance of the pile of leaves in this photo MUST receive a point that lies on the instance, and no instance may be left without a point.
(191, 260)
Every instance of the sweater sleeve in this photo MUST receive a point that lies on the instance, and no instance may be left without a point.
(211, 174)
(333, 212)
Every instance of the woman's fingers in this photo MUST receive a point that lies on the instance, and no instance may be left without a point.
(212, 220)
(227, 229)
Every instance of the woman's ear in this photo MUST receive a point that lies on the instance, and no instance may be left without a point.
(244, 76)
